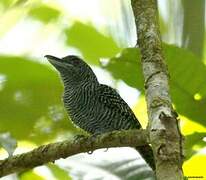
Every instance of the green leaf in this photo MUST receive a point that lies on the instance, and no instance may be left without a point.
(8, 143)
(9, 3)
(126, 67)
(44, 13)
(187, 78)
(6, 3)
(92, 44)
(58, 172)
(31, 107)
(191, 140)
(29, 175)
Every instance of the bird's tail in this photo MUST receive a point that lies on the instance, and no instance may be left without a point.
(146, 152)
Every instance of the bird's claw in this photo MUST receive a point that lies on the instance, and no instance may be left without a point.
(93, 138)
(90, 152)
(78, 137)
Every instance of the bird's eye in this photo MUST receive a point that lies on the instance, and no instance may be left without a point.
(76, 63)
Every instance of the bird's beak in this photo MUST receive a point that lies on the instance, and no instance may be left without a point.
(55, 61)
(50, 57)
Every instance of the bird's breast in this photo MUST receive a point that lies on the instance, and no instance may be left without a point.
(81, 107)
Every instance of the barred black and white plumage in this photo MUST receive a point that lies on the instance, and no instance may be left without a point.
(94, 107)
(98, 108)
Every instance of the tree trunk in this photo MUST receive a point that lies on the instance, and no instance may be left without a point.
(165, 136)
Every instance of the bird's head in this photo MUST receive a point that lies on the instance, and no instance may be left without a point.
(72, 68)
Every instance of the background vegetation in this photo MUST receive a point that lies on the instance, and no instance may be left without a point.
(103, 33)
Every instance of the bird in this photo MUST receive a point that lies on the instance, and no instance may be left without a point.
(94, 107)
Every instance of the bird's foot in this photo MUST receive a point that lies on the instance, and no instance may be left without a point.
(78, 137)
(90, 152)
(93, 139)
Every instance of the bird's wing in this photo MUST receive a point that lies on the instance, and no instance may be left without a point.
(110, 98)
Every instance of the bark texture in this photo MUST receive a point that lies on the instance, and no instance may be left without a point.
(163, 127)
(54, 151)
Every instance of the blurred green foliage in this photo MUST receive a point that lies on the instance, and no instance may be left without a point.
(90, 42)
(126, 67)
(58, 172)
(44, 13)
(185, 82)
(194, 139)
(28, 175)
(31, 107)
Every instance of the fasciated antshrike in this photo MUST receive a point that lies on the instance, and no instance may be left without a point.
(94, 107)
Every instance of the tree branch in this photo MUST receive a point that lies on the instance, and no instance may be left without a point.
(54, 151)
(165, 136)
